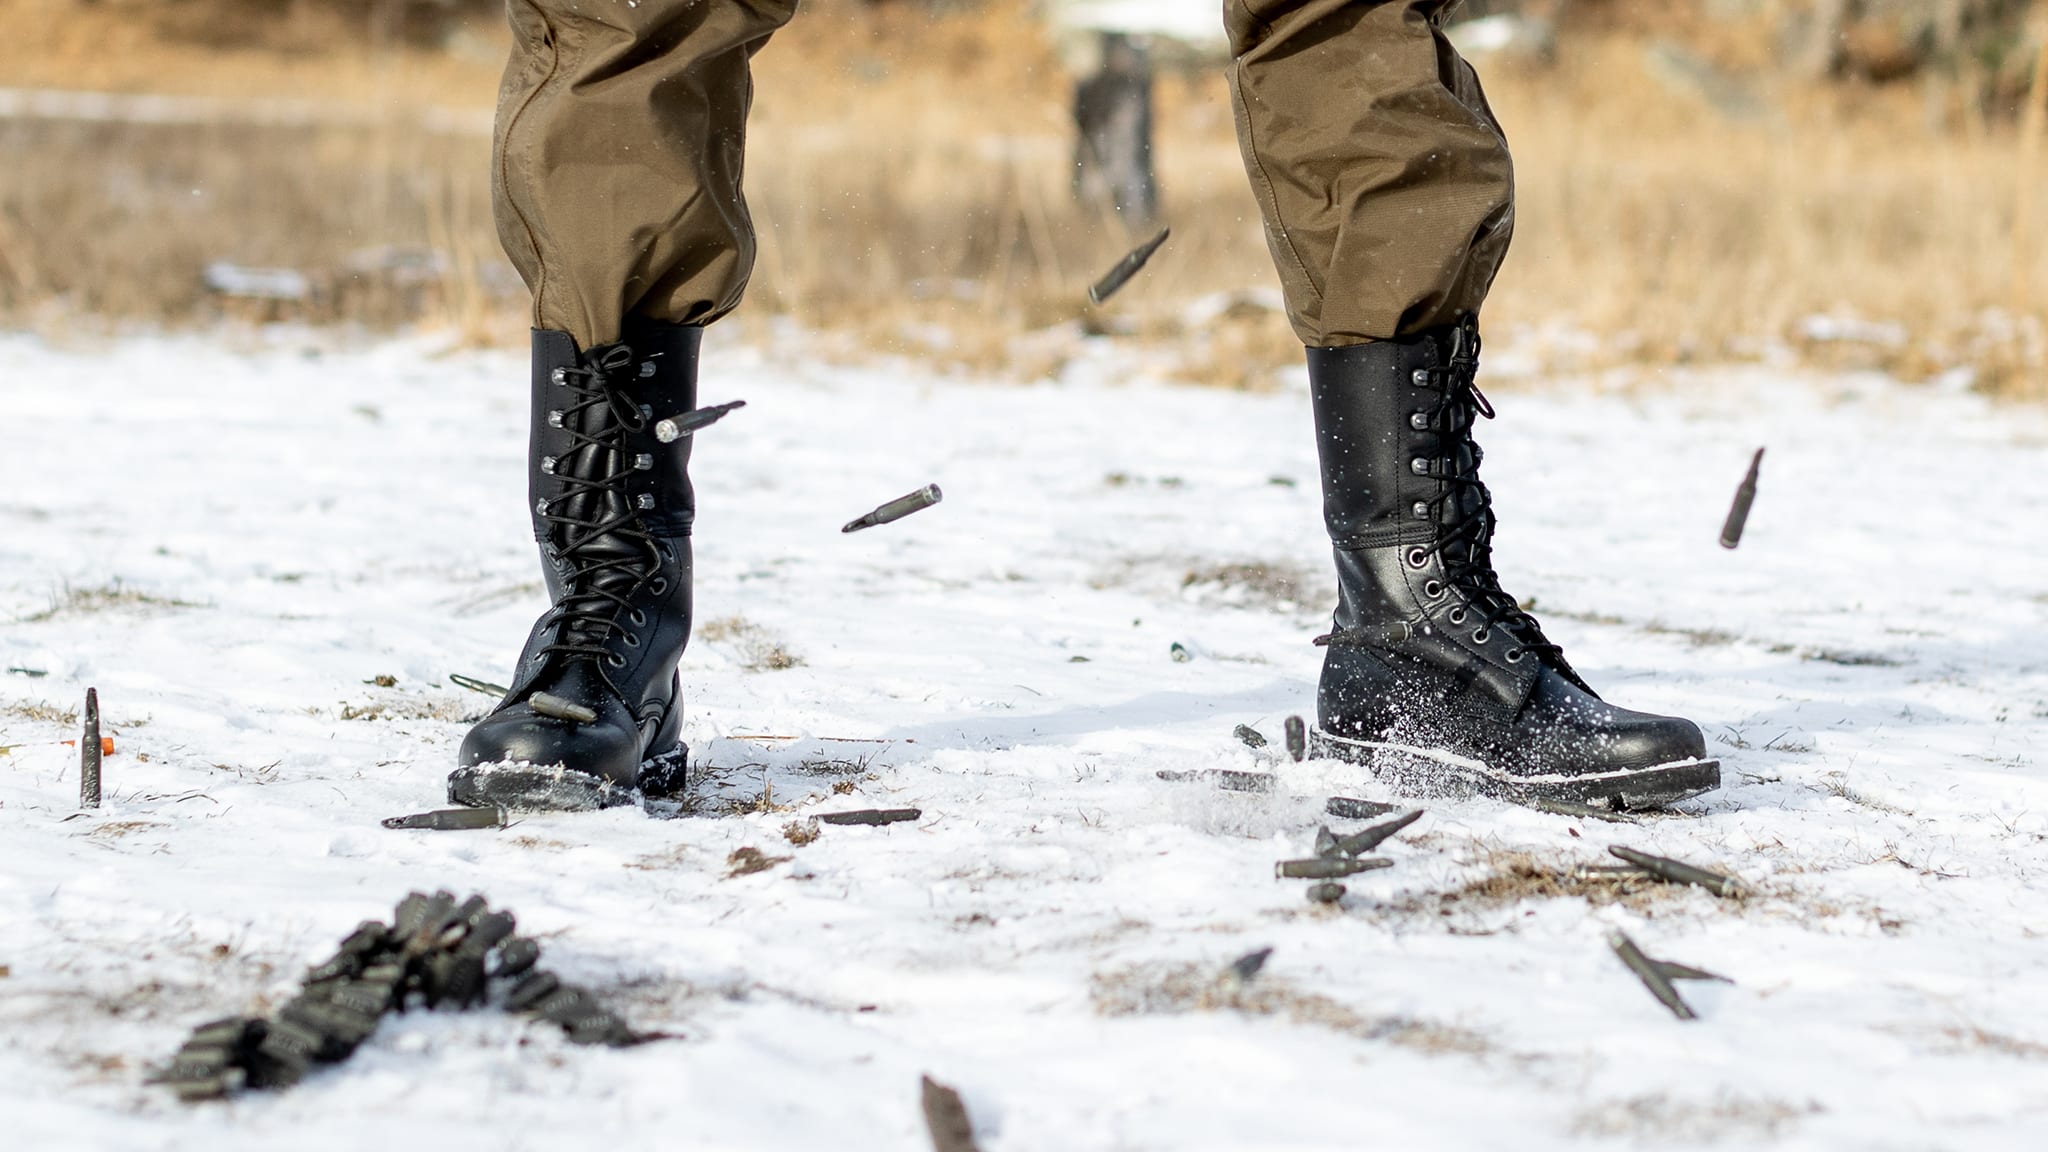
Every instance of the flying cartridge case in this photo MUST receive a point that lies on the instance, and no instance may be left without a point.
(897, 509)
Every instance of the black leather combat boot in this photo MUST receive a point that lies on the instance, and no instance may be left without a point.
(595, 706)
(1434, 676)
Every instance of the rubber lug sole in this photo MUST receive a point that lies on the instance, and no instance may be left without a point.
(1429, 771)
(557, 788)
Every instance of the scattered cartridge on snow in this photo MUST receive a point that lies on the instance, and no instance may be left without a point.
(1327, 867)
(1679, 872)
(871, 816)
(450, 819)
(1365, 840)
(89, 753)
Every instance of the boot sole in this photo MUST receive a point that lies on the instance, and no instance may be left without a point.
(559, 788)
(1637, 788)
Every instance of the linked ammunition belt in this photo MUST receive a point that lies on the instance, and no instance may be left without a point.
(436, 953)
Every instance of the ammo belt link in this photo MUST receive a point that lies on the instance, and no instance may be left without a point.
(436, 952)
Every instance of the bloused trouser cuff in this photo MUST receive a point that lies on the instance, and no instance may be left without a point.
(1384, 179)
(620, 134)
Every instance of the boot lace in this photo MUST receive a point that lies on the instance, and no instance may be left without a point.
(609, 553)
(1465, 507)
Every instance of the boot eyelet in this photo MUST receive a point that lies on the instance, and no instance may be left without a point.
(660, 585)
(559, 376)
(1419, 466)
(1514, 655)
(1419, 421)
(1420, 377)
(1421, 510)
(1481, 636)
(1457, 615)
(615, 660)
(554, 419)
(644, 501)
(632, 641)
(1433, 589)
(637, 618)
(643, 462)
(1418, 557)
(547, 465)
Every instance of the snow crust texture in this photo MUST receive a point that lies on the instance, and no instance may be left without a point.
(269, 559)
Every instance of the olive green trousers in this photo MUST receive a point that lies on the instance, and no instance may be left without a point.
(1382, 176)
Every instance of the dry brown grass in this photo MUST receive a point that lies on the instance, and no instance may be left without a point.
(1510, 877)
(758, 649)
(1150, 990)
(909, 176)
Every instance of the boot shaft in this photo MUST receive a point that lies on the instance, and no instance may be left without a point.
(657, 377)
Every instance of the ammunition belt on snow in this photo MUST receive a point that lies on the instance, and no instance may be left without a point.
(437, 952)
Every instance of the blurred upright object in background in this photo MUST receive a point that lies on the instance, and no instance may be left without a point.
(1113, 131)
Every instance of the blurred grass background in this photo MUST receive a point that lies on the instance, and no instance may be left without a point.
(1853, 183)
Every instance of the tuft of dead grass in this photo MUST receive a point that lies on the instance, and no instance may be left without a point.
(1727, 1116)
(1509, 877)
(444, 708)
(758, 649)
(39, 712)
(749, 860)
(1168, 990)
(112, 597)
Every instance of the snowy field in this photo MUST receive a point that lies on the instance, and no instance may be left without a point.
(233, 545)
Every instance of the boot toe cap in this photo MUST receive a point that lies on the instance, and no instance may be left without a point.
(610, 751)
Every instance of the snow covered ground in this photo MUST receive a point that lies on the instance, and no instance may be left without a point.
(233, 544)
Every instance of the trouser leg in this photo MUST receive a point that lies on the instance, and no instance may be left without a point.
(1384, 180)
(620, 134)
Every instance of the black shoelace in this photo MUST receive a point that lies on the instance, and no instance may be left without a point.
(1466, 546)
(596, 531)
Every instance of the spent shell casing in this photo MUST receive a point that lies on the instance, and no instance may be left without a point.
(1352, 808)
(946, 1119)
(450, 819)
(1326, 892)
(1745, 495)
(1678, 871)
(1673, 970)
(1326, 842)
(532, 989)
(1121, 274)
(1251, 736)
(871, 816)
(89, 753)
(1248, 965)
(1297, 739)
(1327, 867)
(1367, 839)
(547, 704)
(1650, 974)
(476, 685)
(516, 955)
(675, 428)
(898, 508)
(1228, 779)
